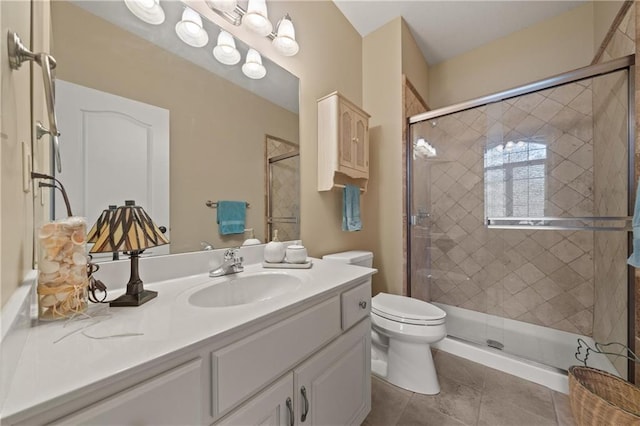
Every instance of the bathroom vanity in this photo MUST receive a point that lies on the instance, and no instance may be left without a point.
(297, 354)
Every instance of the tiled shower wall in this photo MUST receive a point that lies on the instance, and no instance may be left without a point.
(611, 154)
(540, 277)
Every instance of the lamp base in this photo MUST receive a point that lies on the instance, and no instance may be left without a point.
(134, 299)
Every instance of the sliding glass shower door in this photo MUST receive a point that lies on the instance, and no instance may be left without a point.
(519, 215)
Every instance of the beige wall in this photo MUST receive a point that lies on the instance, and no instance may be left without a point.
(382, 85)
(604, 13)
(16, 212)
(217, 129)
(414, 65)
(330, 59)
(551, 47)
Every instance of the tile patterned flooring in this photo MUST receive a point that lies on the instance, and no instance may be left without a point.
(471, 394)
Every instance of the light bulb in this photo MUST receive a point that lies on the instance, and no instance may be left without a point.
(253, 67)
(190, 30)
(256, 18)
(285, 41)
(225, 51)
(148, 11)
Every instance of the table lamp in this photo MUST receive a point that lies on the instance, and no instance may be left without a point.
(130, 230)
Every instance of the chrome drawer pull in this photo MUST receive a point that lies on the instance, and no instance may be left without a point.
(363, 304)
(290, 408)
(303, 391)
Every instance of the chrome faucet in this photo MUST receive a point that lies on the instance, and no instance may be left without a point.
(206, 246)
(232, 264)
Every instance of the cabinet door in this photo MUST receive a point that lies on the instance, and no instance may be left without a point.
(361, 143)
(272, 407)
(334, 386)
(346, 137)
(171, 398)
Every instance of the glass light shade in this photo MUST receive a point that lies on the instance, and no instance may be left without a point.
(253, 67)
(225, 51)
(285, 41)
(190, 30)
(148, 11)
(129, 228)
(256, 18)
(227, 6)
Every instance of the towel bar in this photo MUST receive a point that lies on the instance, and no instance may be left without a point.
(214, 204)
(337, 185)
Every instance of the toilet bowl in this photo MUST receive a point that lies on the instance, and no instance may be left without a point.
(402, 332)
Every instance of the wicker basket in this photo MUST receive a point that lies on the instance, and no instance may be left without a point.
(600, 398)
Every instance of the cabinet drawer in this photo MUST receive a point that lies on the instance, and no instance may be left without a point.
(152, 402)
(356, 304)
(248, 365)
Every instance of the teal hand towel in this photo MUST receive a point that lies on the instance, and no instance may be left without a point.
(351, 208)
(231, 217)
(634, 259)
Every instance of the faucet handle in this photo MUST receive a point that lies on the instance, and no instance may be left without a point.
(232, 254)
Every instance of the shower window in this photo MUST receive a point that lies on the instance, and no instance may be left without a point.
(514, 179)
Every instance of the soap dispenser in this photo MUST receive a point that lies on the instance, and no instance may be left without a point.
(252, 240)
(275, 250)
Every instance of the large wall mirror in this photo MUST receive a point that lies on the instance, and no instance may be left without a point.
(207, 132)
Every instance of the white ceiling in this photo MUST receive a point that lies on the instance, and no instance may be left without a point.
(444, 29)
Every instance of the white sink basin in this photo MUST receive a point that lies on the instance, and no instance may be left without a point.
(234, 290)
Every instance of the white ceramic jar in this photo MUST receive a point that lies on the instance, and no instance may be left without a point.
(296, 254)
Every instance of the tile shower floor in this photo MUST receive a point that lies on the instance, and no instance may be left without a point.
(471, 394)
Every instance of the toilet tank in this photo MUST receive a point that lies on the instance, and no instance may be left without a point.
(354, 257)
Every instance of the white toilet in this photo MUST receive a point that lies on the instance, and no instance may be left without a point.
(402, 331)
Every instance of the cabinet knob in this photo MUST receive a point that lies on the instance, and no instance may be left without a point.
(363, 304)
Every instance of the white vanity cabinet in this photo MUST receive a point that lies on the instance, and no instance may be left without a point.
(330, 387)
(272, 407)
(306, 364)
(147, 403)
(334, 386)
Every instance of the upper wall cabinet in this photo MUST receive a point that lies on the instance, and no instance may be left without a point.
(343, 143)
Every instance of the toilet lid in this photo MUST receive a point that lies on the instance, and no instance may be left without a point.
(406, 309)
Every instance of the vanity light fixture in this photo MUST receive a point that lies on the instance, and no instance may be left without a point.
(148, 11)
(255, 18)
(285, 39)
(225, 51)
(227, 6)
(129, 229)
(190, 30)
(253, 67)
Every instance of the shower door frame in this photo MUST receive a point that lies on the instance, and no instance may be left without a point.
(628, 63)
(270, 161)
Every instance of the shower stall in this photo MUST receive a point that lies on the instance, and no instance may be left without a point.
(519, 207)
(283, 189)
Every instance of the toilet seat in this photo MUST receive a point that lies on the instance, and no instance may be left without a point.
(407, 310)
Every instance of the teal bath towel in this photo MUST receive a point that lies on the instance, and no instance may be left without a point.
(231, 217)
(351, 209)
(634, 259)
